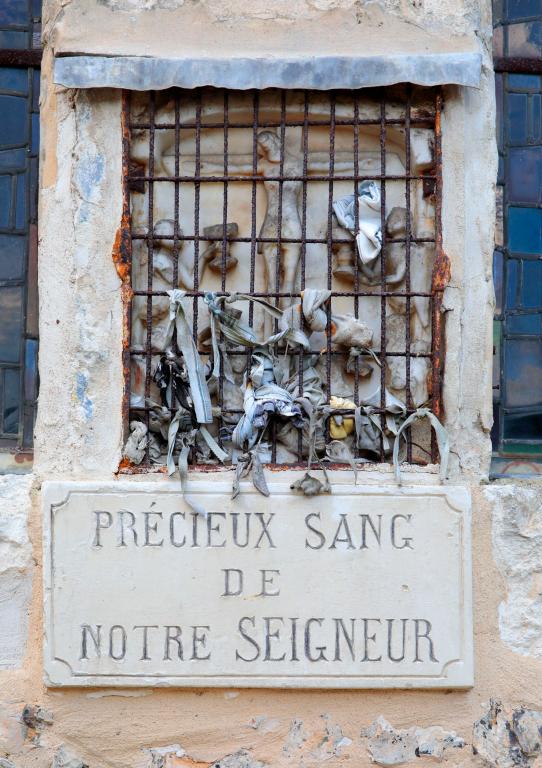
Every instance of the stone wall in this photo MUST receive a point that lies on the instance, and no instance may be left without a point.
(79, 436)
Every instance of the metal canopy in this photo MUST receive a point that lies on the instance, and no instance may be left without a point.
(142, 73)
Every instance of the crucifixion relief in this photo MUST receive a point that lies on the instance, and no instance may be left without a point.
(277, 189)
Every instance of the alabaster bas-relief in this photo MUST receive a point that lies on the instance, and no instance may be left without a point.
(352, 235)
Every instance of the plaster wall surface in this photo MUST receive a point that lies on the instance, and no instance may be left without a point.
(79, 436)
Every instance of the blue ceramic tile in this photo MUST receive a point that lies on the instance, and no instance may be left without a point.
(14, 121)
(35, 133)
(524, 82)
(525, 175)
(13, 159)
(536, 114)
(524, 39)
(524, 324)
(522, 9)
(5, 201)
(523, 372)
(511, 283)
(12, 39)
(30, 368)
(13, 12)
(21, 213)
(523, 427)
(498, 280)
(11, 324)
(525, 230)
(517, 118)
(12, 395)
(35, 90)
(12, 257)
(14, 79)
(531, 289)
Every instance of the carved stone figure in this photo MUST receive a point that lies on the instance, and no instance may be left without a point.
(280, 261)
(396, 365)
(212, 256)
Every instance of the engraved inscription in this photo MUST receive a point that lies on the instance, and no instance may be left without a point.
(366, 588)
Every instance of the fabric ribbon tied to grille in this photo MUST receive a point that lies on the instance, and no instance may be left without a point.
(369, 233)
(185, 341)
(263, 398)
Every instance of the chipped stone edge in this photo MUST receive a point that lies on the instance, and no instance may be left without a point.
(142, 73)
(58, 673)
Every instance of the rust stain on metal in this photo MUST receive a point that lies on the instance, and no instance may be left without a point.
(440, 279)
(121, 252)
(126, 466)
(122, 258)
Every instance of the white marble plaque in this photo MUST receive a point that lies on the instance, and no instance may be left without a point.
(369, 587)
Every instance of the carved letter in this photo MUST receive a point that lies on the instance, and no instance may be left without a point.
(199, 639)
(119, 656)
(145, 651)
(428, 628)
(269, 635)
(96, 639)
(235, 524)
(100, 526)
(129, 526)
(268, 580)
(214, 528)
(265, 529)
(391, 657)
(172, 539)
(346, 539)
(241, 627)
(405, 540)
(173, 638)
(314, 530)
(367, 638)
(151, 529)
(228, 591)
(339, 624)
(320, 648)
(377, 533)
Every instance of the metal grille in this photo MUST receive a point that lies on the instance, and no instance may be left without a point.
(399, 113)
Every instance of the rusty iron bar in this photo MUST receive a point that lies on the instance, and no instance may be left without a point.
(134, 181)
(122, 258)
(303, 252)
(302, 241)
(299, 352)
(408, 393)
(329, 329)
(253, 246)
(417, 121)
(290, 295)
(224, 253)
(383, 274)
(440, 279)
(257, 177)
(356, 227)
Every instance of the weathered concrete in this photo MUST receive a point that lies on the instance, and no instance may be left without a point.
(506, 737)
(517, 548)
(390, 746)
(15, 568)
